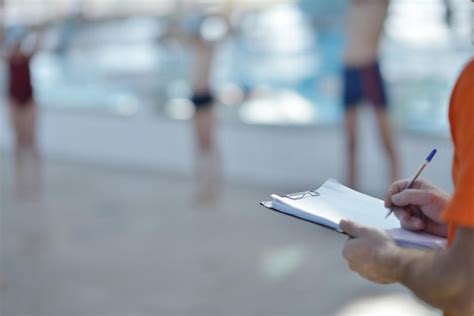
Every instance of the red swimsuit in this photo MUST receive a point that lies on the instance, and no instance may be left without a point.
(20, 88)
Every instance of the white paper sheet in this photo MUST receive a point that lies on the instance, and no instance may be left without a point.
(336, 202)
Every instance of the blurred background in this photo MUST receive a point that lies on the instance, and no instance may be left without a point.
(153, 128)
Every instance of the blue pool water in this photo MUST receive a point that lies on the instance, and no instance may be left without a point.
(120, 66)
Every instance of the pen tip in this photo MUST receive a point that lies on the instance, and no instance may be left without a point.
(431, 155)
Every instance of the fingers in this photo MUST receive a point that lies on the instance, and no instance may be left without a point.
(399, 186)
(401, 214)
(351, 228)
(436, 229)
(395, 188)
(347, 253)
(412, 197)
(407, 221)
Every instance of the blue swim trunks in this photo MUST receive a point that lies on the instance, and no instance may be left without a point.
(364, 83)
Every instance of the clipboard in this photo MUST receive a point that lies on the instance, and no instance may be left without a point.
(300, 196)
(333, 202)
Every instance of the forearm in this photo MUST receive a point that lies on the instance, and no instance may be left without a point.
(441, 278)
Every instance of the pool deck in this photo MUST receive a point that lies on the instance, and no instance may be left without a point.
(108, 241)
(108, 238)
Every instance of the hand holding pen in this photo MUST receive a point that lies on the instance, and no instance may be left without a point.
(418, 204)
(422, 167)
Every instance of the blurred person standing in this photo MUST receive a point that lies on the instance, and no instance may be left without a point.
(448, 15)
(23, 112)
(363, 80)
(444, 277)
(202, 95)
(204, 25)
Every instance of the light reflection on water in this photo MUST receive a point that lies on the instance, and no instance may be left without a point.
(117, 66)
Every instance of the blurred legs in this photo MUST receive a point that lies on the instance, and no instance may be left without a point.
(351, 144)
(207, 162)
(204, 125)
(385, 129)
(26, 155)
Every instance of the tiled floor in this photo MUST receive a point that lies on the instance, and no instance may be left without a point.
(108, 241)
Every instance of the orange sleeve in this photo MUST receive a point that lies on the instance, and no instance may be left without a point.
(460, 210)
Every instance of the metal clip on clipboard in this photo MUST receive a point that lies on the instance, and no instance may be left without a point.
(302, 195)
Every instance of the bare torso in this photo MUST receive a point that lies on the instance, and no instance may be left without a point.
(366, 20)
(202, 65)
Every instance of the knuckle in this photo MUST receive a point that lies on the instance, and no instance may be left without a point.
(363, 231)
(431, 197)
(397, 198)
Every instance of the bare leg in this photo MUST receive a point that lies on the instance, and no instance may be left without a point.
(207, 159)
(351, 144)
(27, 164)
(204, 122)
(18, 152)
(385, 129)
(208, 164)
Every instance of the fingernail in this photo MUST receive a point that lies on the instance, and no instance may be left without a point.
(395, 198)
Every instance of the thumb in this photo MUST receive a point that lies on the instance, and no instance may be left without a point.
(351, 228)
(411, 197)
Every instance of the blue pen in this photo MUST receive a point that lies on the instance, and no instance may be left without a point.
(422, 167)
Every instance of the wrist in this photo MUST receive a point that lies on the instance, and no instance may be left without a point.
(400, 262)
(392, 262)
(410, 263)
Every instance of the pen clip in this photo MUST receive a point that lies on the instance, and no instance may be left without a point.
(302, 195)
